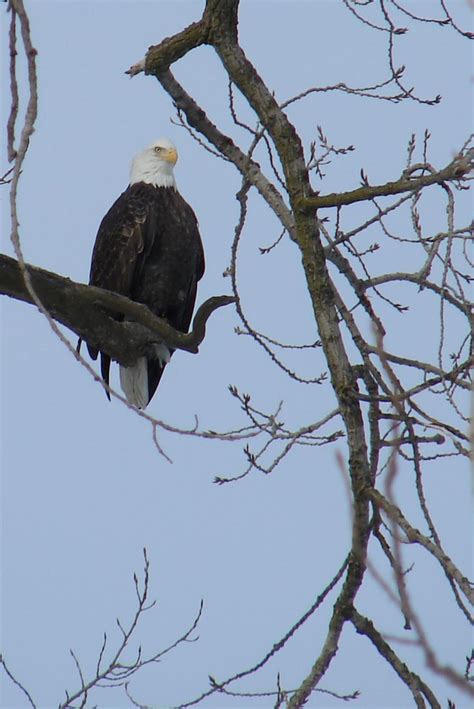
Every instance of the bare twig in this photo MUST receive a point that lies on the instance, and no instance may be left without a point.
(415, 536)
(116, 672)
(17, 683)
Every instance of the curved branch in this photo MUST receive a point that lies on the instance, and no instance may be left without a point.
(417, 279)
(157, 63)
(92, 313)
(247, 167)
(456, 170)
(452, 375)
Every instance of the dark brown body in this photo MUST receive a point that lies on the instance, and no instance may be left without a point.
(148, 248)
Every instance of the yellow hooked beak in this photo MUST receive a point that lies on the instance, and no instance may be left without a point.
(171, 156)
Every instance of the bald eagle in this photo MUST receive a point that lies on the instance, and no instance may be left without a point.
(148, 248)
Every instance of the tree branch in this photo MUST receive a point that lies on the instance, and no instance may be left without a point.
(157, 63)
(247, 167)
(92, 313)
(456, 170)
(364, 626)
(414, 536)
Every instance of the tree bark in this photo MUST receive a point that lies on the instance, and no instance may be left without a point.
(95, 314)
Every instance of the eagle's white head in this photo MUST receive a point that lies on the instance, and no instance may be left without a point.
(155, 164)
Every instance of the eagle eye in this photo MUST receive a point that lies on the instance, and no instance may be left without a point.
(158, 149)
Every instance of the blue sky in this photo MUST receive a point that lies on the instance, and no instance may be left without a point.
(83, 487)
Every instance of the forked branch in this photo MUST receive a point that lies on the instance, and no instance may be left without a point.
(457, 169)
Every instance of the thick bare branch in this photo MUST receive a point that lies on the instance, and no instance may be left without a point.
(248, 168)
(157, 63)
(92, 313)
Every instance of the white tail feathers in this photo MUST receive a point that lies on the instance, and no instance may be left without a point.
(134, 380)
(134, 383)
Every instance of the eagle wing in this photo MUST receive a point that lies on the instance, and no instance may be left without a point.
(121, 243)
(175, 266)
(181, 321)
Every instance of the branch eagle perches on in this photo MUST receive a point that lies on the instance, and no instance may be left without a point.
(92, 313)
